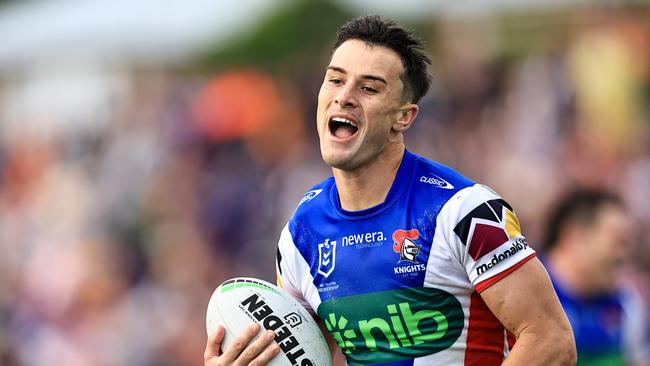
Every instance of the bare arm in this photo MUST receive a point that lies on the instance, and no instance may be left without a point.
(527, 305)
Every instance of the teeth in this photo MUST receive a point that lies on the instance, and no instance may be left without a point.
(344, 120)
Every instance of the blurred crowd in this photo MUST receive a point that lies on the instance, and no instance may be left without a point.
(119, 219)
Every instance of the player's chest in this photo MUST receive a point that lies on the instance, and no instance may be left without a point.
(372, 295)
(351, 258)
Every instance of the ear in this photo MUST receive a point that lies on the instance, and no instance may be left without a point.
(406, 116)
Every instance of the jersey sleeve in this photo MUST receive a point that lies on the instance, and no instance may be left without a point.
(289, 265)
(485, 235)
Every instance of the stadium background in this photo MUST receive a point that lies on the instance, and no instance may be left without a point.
(148, 152)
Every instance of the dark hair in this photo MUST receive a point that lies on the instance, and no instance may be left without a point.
(580, 207)
(375, 30)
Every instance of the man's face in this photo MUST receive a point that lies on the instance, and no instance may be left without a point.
(358, 104)
(608, 244)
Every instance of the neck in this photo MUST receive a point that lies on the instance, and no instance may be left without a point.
(369, 185)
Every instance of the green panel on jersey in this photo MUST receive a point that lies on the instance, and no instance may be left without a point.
(393, 325)
(607, 359)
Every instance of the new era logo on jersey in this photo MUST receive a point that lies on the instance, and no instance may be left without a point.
(364, 240)
(326, 257)
(487, 227)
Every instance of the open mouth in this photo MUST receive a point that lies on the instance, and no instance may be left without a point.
(342, 128)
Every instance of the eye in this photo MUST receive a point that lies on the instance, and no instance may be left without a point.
(336, 81)
(368, 89)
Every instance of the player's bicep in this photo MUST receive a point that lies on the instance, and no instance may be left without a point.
(525, 300)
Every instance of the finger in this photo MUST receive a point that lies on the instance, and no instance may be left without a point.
(213, 345)
(255, 348)
(238, 345)
(265, 357)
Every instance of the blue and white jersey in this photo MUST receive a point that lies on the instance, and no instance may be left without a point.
(399, 283)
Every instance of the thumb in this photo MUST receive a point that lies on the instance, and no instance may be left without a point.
(213, 346)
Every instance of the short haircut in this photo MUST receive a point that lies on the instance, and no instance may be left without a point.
(375, 30)
(579, 207)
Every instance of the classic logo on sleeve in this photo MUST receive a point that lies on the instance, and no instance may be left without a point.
(309, 196)
(436, 181)
(487, 227)
(326, 257)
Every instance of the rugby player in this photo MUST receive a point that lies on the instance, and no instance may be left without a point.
(403, 260)
(589, 239)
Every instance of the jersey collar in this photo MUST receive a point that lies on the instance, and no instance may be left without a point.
(401, 182)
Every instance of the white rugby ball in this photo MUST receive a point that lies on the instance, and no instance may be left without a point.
(241, 301)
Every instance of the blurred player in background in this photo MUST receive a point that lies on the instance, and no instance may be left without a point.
(589, 239)
(404, 260)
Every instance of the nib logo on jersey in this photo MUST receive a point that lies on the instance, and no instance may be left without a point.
(394, 325)
(404, 243)
(488, 227)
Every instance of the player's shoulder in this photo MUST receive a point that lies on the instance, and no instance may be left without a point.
(464, 194)
(477, 194)
(429, 173)
(478, 202)
(314, 200)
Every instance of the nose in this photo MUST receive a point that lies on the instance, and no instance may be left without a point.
(346, 96)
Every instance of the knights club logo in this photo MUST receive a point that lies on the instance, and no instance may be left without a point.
(326, 257)
(404, 244)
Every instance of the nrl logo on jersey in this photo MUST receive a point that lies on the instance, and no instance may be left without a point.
(326, 257)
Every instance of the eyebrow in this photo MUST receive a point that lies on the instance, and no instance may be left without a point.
(368, 77)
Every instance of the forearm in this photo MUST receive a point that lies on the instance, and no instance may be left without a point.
(543, 347)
